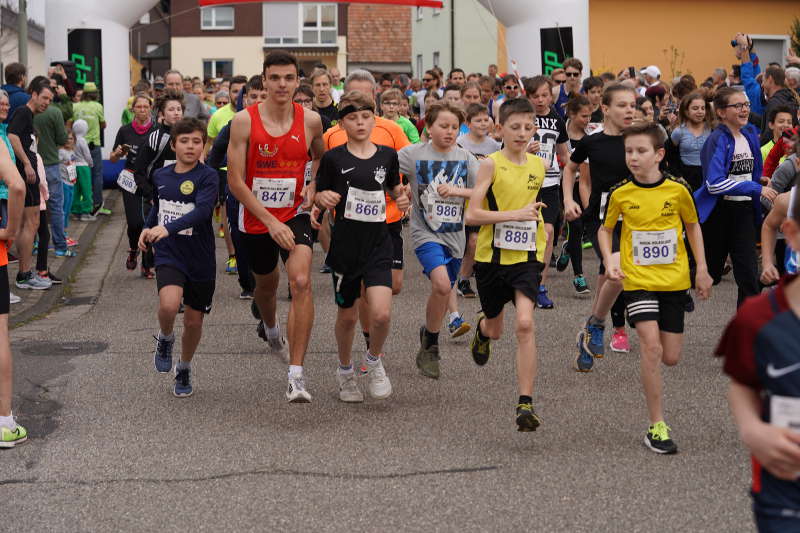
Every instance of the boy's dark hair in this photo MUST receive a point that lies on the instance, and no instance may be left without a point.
(575, 103)
(169, 96)
(187, 125)
(650, 129)
(15, 72)
(607, 77)
(531, 85)
(509, 77)
(280, 57)
(305, 89)
(255, 83)
(450, 76)
(773, 113)
(433, 112)
(38, 84)
(473, 110)
(513, 107)
(592, 82)
(777, 74)
(452, 87)
(573, 62)
(611, 90)
(239, 79)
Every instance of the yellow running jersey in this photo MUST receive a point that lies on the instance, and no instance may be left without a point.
(652, 251)
(513, 187)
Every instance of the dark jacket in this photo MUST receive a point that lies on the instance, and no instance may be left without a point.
(16, 97)
(152, 155)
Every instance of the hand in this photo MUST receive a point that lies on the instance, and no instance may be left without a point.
(791, 57)
(444, 190)
(315, 225)
(308, 193)
(529, 212)
(571, 210)
(703, 283)
(769, 193)
(614, 272)
(143, 239)
(281, 234)
(30, 174)
(769, 274)
(328, 199)
(777, 449)
(60, 90)
(402, 201)
(156, 234)
(534, 147)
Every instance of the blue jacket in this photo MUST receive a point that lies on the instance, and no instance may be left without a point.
(716, 158)
(751, 87)
(16, 97)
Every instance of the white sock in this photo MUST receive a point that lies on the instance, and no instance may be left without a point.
(272, 333)
(8, 422)
(295, 371)
(164, 336)
(454, 315)
(345, 370)
(372, 359)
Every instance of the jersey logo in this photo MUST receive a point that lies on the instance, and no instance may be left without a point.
(779, 372)
(187, 187)
(345, 171)
(667, 205)
(295, 137)
(380, 175)
(264, 151)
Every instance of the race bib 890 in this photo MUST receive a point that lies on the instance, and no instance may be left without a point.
(655, 247)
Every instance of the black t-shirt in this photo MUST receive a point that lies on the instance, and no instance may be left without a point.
(550, 131)
(597, 116)
(127, 135)
(606, 154)
(21, 125)
(354, 239)
(330, 113)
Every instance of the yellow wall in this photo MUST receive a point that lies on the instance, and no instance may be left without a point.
(641, 33)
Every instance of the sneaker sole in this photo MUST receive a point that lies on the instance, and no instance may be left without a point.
(617, 350)
(380, 396)
(354, 399)
(462, 329)
(30, 287)
(182, 395)
(656, 450)
(298, 399)
(13, 443)
(526, 425)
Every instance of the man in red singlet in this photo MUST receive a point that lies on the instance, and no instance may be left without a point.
(268, 151)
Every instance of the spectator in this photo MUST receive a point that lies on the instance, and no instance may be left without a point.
(793, 78)
(194, 108)
(652, 75)
(90, 110)
(16, 78)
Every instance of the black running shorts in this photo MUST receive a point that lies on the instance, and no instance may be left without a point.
(498, 283)
(196, 294)
(665, 307)
(264, 252)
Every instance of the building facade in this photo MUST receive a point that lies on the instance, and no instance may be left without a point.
(150, 42)
(9, 42)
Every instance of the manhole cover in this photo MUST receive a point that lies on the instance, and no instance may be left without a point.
(63, 348)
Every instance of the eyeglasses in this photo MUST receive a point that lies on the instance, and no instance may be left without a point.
(573, 74)
(511, 88)
(739, 106)
(220, 103)
(427, 79)
(559, 81)
(303, 101)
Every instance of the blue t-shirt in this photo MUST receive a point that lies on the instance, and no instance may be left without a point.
(688, 145)
(190, 245)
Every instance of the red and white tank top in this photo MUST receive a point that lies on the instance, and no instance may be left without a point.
(275, 170)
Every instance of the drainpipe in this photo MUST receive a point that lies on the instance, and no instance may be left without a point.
(22, 31)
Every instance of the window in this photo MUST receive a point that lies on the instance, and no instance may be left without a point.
(419, 13)
(216, 18)
(150, 47)
(300, 23)
(419, 65)
(436, 59)
(217, 68)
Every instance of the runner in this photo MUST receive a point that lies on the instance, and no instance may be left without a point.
(551, 143)
(11, 433)
(605, 151)
(511, 243)
(321, 82)
(126, 144)
(789, 263)
(592, 88)
(180, 231)
(269, 148)
(390, 109)
(353, 180)
(690, 136)
(653, 263)
(573, 67)
(511, 90)
(761, 360)
(442, 176)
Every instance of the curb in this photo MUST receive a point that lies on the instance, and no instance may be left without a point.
(54, 296)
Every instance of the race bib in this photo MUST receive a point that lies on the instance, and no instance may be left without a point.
(168, 162)
(126, 182)
(655, 247)
(72, 173)
(546, 152)
(366, 206)
(784, 411)
(169, 211)
(274, 193)
(444, 210)
(516, 235)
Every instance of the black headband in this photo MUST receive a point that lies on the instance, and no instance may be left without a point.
(346, 110)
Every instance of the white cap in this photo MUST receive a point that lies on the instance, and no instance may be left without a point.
(652, 71)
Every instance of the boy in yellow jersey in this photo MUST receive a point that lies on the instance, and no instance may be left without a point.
(511, 242)
(652, 263)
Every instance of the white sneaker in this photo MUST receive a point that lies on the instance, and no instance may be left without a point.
(378, 382)
(348, 388)
(276, 345)
(13, 298)
(33, 282)
(296, 390)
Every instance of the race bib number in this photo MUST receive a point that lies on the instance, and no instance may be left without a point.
(546, 152)
(516, 235)
(655, 247)
(126, 182)
(168, 162)
(274, 193)
(444, 210)
(365, 206)
(169, 211)
(72, 174)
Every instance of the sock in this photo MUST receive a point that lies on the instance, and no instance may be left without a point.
(295, 371)
(431, 338)
(594, 321)
(366, 338)
(372, 359)
(183, 364)
(345, 369)
(8, 422)
(526, 399)
(454, 315)
(272, 333)
(165, 337)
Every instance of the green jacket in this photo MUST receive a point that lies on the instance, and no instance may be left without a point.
(51, 133)
(65, 105)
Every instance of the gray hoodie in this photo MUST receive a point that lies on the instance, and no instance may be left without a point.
(82, 154)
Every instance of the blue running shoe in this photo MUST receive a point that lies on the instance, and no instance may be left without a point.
(585, 360)
(183, 382)
(457, 327)
(542, 300)
(593, 340)
(162, 358)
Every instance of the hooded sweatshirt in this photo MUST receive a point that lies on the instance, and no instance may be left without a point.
(83, 156)
(16, 97)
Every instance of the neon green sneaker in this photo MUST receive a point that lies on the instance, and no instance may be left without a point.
(10, 438)
(527, 420)
(657, 439)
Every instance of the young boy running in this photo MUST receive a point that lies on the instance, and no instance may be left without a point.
(653, 265)
(179, 227)
(353, 180)
(511, 247)
(762, 356)
(442, 176)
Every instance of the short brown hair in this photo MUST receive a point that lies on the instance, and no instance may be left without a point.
(611, 90)
(15, 72)
(392, 94)
(356, 99)
(777, 74)
(432, 113)
(473, 110)
(169, 96)
(187, 125)
(649, 129)
(573, 62)
(515, 106)
(320, 72)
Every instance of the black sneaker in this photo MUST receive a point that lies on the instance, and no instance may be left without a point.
(527, 420)
(563, 258)
(254, 310)
(481, 350)
(465, 289)
(131, 261)
(657, 439)
(53, 279)
(246, 295)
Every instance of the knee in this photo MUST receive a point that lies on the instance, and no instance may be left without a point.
(169, 308)
(191, 322)
(652, 351)
(347, 320)
(441, 289)
(524, 328)
(671, 358)
(300, 283)
(380, 319)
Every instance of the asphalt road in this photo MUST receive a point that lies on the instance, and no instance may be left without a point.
(112, 450)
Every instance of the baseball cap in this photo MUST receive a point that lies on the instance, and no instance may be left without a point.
(652, 71)
(89, 87)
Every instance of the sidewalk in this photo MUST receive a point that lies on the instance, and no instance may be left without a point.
(36, 304)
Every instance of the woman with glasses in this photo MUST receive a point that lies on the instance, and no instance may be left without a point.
(221, 99)
(571, 86)
(728, 201)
